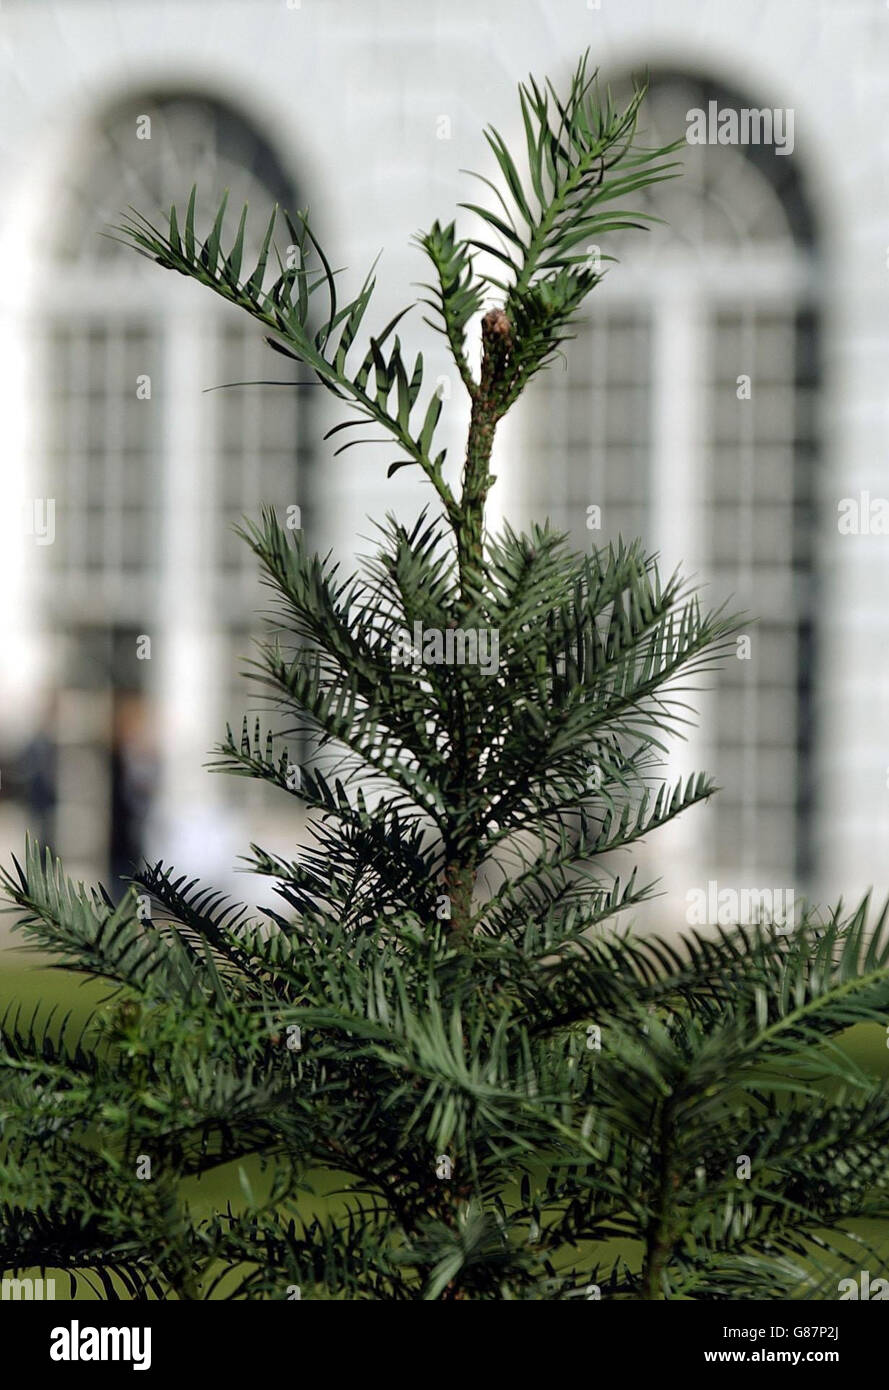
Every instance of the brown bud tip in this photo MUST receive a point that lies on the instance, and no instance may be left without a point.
(495, 324)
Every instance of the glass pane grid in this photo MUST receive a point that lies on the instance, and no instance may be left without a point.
(100, 458)
(758, 550)
(590, 432)
(259, 433)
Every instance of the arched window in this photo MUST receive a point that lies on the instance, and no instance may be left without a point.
(147, 595)
(686, 414)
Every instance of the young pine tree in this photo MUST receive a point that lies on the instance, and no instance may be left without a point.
(500, 1093)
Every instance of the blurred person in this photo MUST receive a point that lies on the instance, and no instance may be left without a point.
(36, 780)
(134, 780)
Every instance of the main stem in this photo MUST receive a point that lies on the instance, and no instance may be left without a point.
(661, 1232)
(461, 847)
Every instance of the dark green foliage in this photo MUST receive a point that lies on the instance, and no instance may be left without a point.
(513, 1096)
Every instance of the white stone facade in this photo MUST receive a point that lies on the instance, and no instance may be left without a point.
(372, 108)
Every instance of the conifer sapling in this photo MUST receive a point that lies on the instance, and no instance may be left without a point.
(440, 1068)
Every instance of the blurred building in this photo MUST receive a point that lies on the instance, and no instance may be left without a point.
(725, 398)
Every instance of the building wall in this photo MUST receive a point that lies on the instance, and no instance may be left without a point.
(374, 108)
